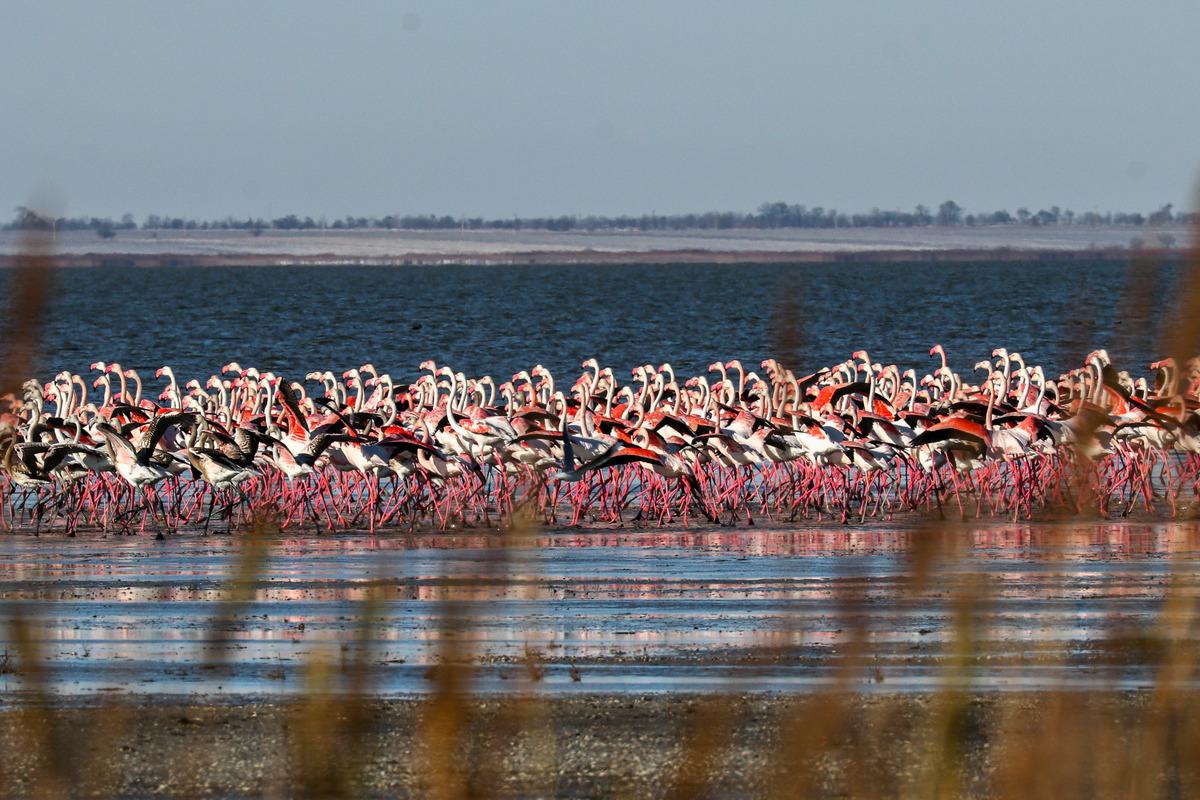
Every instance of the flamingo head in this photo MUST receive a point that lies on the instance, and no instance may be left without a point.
(734, 364)
(98, 365)
(937, 350)
(130, 373)
(428, 364)
(716, 366)
(96, 384)
(213, 382)
(232, 366)
(350, 373)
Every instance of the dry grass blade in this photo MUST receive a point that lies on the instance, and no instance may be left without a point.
(40, 733)
(446, 715)
(30, 282)
(444, 738)
(332, 723)
(524, 720)
(929, 545)
(58, 757)
(41, 736)
(952, 724)
(239, 592)
(818, 724)
(1138, 306)
(708, 733)
(787, 324)
(1183, 333)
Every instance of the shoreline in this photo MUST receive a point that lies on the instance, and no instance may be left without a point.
(405, 247)
(1004, 255)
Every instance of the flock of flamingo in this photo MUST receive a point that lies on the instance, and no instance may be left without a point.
(855, 440)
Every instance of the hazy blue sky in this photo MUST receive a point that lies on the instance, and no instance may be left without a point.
(500, 108)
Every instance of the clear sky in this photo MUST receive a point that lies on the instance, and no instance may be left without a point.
(514, 107)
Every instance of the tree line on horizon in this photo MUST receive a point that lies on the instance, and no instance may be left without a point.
(768, 215)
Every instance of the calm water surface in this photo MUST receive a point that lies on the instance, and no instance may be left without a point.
(631, 610)
(498, 320)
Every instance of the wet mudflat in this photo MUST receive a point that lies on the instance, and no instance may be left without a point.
(587, 611)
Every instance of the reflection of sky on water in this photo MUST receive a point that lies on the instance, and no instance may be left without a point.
(110, 610)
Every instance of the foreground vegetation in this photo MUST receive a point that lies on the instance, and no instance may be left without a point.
(1056, 745)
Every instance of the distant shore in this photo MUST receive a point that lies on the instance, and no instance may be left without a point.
(584, 257)
(416, 248)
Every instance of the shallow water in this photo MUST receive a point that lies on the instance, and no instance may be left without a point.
(629, 610)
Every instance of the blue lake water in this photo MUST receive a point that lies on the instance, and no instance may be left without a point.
(497, 320)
